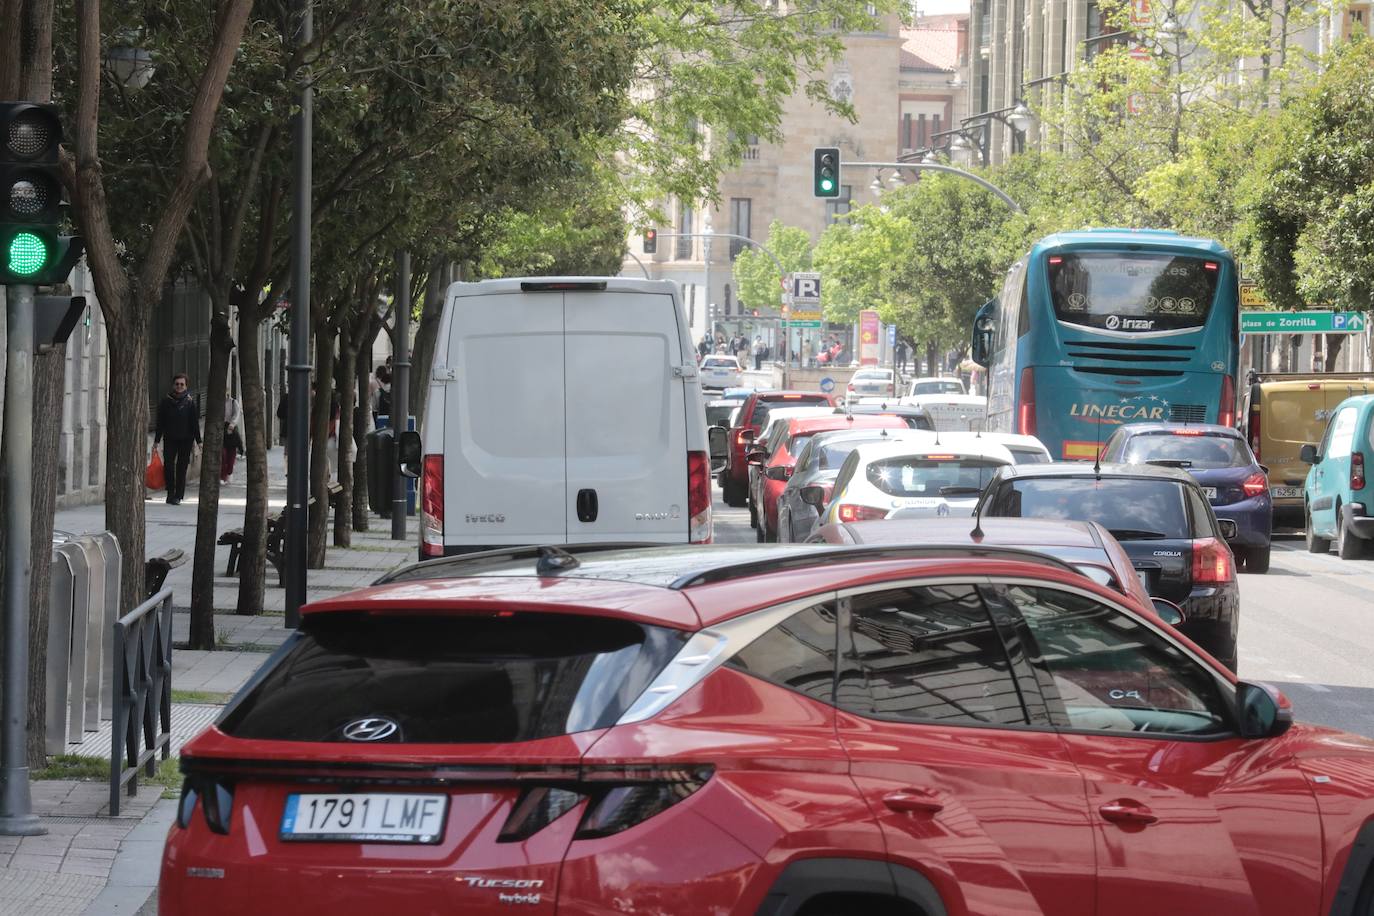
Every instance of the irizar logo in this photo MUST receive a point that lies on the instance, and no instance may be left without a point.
(1114, 322)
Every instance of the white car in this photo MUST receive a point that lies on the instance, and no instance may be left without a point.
(1024, 449)
(872, 382)
(720, 372)
(952, 412)
(907, 480)
(937, 385)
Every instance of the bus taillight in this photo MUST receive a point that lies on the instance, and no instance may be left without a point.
(1226, 414)
(1025, 419)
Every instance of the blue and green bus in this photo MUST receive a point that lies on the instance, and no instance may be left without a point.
(1102, 327)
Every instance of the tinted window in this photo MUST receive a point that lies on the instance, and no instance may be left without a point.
(874, 374)
(833, 456)
(760, 417)
(1129, 509)
(719, 415)
(1132, 292)
(720, 362)
(928, 655)
(949, 387)
(1342, 433)
(926, 477)
(1202, 451)
(798, 653)
(798, 443)
(458, 680)
(1027, 455)
(1113, 673)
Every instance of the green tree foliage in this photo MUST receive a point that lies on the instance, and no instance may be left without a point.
(756, 275)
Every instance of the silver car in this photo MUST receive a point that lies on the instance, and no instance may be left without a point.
(872, 382)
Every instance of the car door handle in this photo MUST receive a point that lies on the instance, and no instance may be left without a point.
(913, 801)
(1125, 811)
(586, 505)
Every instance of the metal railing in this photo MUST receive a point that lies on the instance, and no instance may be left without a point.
(142, 662)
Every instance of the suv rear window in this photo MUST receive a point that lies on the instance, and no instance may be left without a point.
(760, 418)
(454, 679)
(1130, 508)
(1201, 452)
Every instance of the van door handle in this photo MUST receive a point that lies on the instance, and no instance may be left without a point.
(586, 505)
(913, 801)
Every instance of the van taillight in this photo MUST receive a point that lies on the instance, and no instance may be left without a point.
(1254, 431)
(1357, 470)
(1226, 414)
(432, 507)
(1212, 562)
(1025, 416)
(698, 497)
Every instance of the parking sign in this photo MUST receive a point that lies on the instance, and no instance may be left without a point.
(806, 289)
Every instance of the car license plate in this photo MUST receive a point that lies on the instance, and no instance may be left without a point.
(374, 817)
(1210, 492)
(1285, 492)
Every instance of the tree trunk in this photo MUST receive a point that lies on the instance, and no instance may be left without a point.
(49, 365)
(319, 446)
(127, 448)
(1334, 342)
(253, 553)
(362, 416)
(422, 352)
(347, 369)
(207, 510)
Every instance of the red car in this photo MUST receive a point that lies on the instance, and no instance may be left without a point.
(772, 462)
(753, 414)
(788, 730)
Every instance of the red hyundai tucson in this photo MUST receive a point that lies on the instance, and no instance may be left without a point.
(781, 730)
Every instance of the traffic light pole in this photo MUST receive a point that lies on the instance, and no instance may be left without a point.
(400, 392)
(16, 805)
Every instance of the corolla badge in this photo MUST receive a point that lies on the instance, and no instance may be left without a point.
(370, 729)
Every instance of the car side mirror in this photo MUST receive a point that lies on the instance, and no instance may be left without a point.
(1309, 455)
(755, 456)
(1229, 529)
(1168, 612)
(1263, 710)
(718, 438)
(779, 472)
(409, 453)
(746, 435)
(813, 496)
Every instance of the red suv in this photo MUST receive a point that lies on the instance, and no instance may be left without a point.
(781, 730)
(753, 414)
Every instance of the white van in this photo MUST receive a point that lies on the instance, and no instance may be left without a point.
(563, 410)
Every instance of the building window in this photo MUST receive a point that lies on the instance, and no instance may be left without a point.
(841, 205)
(1356, 20)
(922, 133)
(685, 240)
(934, 125)
(741, 214)
(906, 133)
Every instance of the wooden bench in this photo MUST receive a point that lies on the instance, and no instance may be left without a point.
(233, 539)
(155, 570)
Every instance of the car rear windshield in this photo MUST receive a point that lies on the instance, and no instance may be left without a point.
(946, 387)
(929, 476)
(454, 679)
(882, 374)
(719, 415)
(761, 408)
(1122, 291)
(1020, 455)
(1199, 452)
(1131, 509)
(720, 362)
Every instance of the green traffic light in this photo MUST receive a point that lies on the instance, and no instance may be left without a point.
(27, 254)
(827, 184)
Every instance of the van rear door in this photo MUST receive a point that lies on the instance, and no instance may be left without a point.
(503, 421)
(626, 418)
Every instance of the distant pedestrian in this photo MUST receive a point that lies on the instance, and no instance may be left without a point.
(899, 355)
(233, 439)
(758, 353)
(178, 421)
(704, 348)
(381, 397)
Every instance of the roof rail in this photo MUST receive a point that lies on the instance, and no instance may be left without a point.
(811, 559)
(461, 564)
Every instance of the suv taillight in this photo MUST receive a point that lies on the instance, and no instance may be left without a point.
(698, 497)
(432, 507)
(1254, 430)
(1226, 413)
(1255, 484)
(1357, 470)
(847, 512)
(1025, 416)
(1212, 562)
(618, 797)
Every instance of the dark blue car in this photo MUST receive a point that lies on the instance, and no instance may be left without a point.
(1221, 462)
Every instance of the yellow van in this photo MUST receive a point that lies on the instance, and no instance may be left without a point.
(1281, 413)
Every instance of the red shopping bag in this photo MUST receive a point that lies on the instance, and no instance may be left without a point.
(154, 478)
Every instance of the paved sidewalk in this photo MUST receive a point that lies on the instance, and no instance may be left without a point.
(91, 863)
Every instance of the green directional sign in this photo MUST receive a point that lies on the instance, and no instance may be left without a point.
(804, 323)
(1302, 322)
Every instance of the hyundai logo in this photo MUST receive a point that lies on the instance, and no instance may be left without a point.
(374, 729)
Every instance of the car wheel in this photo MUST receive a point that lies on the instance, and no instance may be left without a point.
(1257, 559)
(733, 494)
(1315, 544)
(753, 516)
(1348, 545)
(758, 534)
(769, 536)
(784, 527)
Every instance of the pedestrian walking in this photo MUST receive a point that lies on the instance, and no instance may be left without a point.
(899, 355)
(178, 421)
(758, 353)
(381, 395)
(233, 439)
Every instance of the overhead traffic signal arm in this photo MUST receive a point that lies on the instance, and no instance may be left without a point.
(826, 172)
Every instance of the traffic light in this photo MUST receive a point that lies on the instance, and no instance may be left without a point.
(650, 241)
(31, 250)
(826, 181)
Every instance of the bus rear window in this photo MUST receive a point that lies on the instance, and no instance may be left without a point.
(1132, 292)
